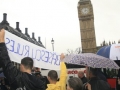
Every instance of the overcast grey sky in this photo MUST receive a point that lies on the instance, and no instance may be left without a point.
(58, 19)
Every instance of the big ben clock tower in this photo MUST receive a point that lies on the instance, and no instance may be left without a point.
(86, 19)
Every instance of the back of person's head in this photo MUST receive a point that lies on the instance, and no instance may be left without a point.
(93, 71)
(26, 64)
(38, 74)
(52, 75)
(74, 84)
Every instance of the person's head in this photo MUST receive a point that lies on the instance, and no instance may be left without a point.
(37, 69)
(26, 64)
(74, 84)
(91, 72)
(52, 76)
(38, 74)
(80, 74)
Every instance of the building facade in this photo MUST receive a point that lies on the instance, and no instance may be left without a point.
(19, 33)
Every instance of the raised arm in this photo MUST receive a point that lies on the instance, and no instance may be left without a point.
(63, 71)
(9, 70)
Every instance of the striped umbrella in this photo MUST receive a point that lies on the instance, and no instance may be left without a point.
(91, 60)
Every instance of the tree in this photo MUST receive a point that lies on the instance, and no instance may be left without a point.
(109, 43)
(76, 51)
(104, 43)
(114, 42)
(119, 41)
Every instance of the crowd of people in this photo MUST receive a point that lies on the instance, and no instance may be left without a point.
(24, 79)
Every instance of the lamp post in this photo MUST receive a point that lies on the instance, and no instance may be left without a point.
(52, 42)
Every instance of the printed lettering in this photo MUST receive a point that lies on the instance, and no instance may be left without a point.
(12, 45)
(38, 52)
(73, 72)
(50, 57)
(33, 54)
(47, 56)
(27, 50)
(17, 48)
(20, 49)
(7, 42)
(42, 54)
(17, 52)
(57, 62)
(54, 58)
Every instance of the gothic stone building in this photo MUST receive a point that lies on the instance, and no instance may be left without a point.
(86, 19)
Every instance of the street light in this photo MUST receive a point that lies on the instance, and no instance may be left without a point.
(52, 42)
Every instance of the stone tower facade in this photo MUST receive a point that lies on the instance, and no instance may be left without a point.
(86, 19)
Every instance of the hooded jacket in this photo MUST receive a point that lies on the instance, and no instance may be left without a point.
(18, 80)
(61, 84)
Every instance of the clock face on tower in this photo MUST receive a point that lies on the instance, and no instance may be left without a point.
(85, 11)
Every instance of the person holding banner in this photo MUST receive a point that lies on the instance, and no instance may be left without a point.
(18, 80)
(53, 77)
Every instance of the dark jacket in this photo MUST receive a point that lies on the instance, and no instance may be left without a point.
(101, 76)
(18, 80)
(84, 80)
(117, 85)
(98, 84)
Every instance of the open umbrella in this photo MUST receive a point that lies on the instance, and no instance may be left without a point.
(111, 51)
(91, 60)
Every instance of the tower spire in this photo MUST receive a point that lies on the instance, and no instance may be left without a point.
(84, 0)
(86, 19)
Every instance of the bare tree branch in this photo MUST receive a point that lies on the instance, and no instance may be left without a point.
(77, 51)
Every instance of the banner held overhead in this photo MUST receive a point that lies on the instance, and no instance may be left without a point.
(19, 48)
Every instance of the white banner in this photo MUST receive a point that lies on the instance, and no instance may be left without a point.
(115, 52)
(19, 48)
